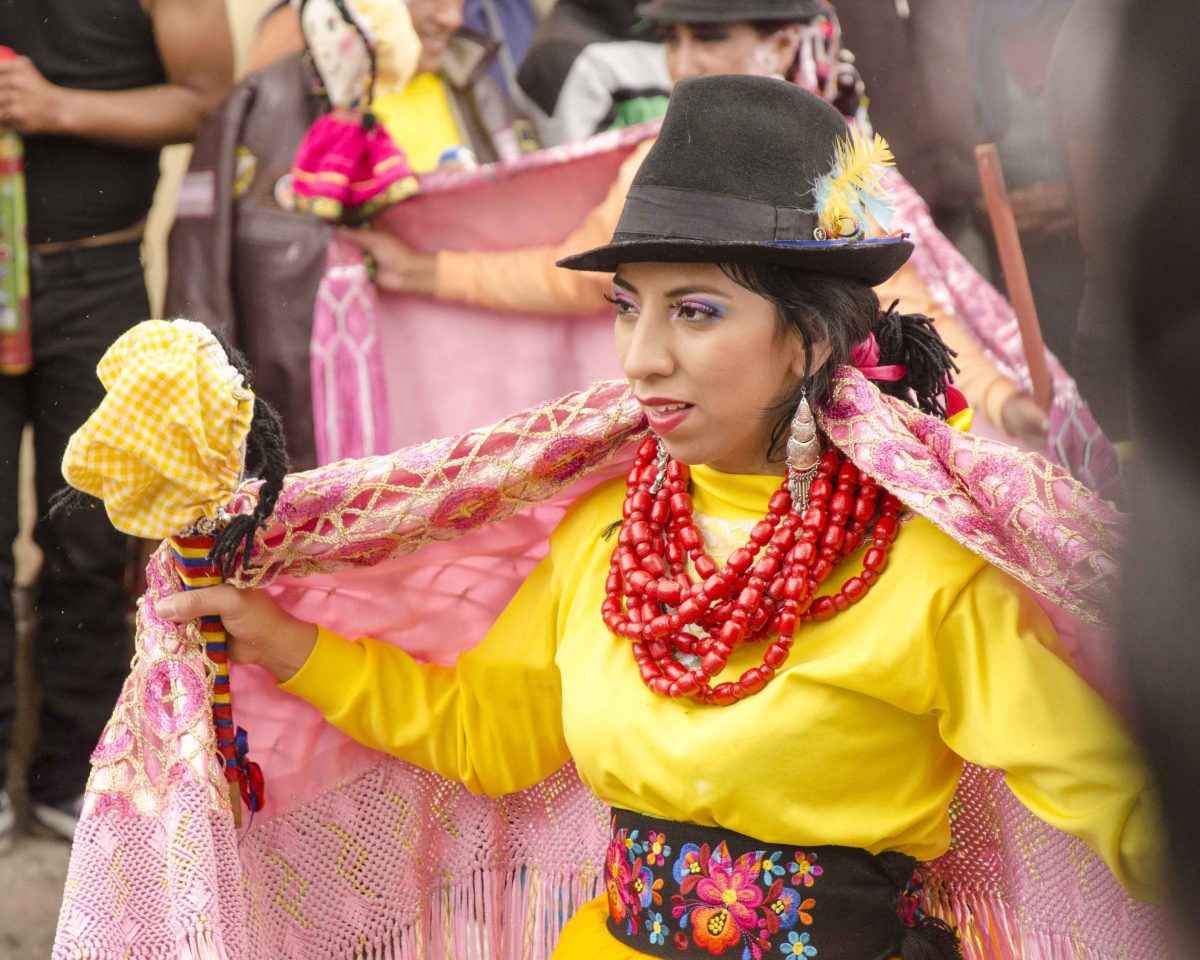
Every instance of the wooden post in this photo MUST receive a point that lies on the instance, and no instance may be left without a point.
(1016, 278)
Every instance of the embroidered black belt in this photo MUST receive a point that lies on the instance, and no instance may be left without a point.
(684, 891)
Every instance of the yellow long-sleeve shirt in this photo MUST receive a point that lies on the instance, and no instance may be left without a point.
(528, 280)
(858, 741)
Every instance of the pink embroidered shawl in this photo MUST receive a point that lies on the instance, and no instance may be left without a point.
(359, 855)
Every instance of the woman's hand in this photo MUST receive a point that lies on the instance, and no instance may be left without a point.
(1024, 420)
(259, 631)
(397, 266)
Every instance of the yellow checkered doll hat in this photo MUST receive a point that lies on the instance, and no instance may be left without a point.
(166, 448)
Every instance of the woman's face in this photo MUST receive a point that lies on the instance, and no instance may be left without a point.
(435, 22)
(715, 49)
(707, 361)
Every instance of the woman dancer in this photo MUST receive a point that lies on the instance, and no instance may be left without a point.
(702, 38)
(769, 671)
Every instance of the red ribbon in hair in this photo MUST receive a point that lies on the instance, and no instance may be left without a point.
(865, 357)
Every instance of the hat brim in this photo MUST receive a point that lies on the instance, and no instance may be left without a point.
(658, 12)
(870, 260)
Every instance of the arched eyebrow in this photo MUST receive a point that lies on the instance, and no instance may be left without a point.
(689, 290)
(686, 290)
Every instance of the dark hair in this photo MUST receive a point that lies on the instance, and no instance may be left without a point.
(840, 313)
(764, 28)
(266, 456)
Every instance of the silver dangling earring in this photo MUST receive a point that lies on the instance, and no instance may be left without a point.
(803, 453)
(661, 478)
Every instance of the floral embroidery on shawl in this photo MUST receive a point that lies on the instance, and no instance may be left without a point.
(1018, 511)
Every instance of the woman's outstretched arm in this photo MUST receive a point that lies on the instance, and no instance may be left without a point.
(524, 280)
(1007, 698)
(493, 721)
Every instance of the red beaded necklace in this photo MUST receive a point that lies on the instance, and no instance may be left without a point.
(650, 598)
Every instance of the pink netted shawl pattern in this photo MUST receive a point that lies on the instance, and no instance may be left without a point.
(360, 855)
(1076, 440)
(1021, 512)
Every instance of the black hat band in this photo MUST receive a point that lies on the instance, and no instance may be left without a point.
(729, 11)
(657, 211)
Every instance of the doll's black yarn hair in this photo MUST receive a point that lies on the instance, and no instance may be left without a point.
(266, 457)
(910, 339)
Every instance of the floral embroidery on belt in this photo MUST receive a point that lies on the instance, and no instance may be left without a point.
(701, 897)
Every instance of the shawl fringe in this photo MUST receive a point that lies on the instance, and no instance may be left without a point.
(989, 929)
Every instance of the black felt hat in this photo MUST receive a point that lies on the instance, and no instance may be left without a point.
(728, 11)
(732, 179)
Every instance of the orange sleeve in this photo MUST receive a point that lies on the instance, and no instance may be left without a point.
(527, 280)
(985, 387)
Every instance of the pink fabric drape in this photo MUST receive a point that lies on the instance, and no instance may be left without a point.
(359, 855)
(349, 382)
(413, 367)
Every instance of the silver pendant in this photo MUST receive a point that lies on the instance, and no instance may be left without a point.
(803, 453)
(661, 477)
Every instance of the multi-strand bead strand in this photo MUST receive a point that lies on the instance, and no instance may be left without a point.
(650, 599)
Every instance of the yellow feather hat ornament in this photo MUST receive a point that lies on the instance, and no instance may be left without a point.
(852, 195)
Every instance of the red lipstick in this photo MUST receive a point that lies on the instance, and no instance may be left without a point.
(664, 413)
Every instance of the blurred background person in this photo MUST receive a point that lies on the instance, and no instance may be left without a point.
(241, 259)
(453, 100)
(1084, 55)
(1144, 187)
(97, 89)
(464, 39)
(914, 59)
(593, 66)
(1010, 47)
(509, 23)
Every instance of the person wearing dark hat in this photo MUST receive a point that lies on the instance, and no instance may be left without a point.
(711, 37)
(702, 38)
(777, 711)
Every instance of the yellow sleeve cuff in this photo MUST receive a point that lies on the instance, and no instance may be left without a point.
(322, 678)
